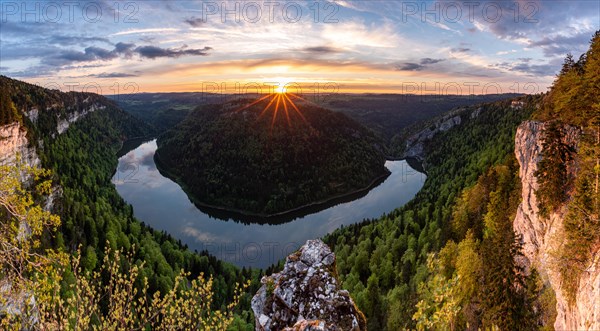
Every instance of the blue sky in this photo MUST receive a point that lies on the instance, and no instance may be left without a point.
(360, 46)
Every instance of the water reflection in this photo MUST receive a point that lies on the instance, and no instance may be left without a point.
(162, 204)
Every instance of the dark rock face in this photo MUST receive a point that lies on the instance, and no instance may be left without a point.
(306, 295)
(415, 144)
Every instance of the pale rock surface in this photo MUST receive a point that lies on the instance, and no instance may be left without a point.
(306, 295)
(13, 141)
(543, 237)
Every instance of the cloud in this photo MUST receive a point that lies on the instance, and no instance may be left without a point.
(203, 237)
(460, 50)
(228, 67)
(536, 69)
(409, 66)
(321, 50)
(560, 45)
(89, 54)
(35, 71)
(194, 21)
(114, 75)
(121, 50)
(427, 60)
(75, 40)
(144, 31)
(556, 27)
(47, 70)
(148, 40)
(148, 160)
(412, 66)
(153, 52)
(524, 65)
(506, 52)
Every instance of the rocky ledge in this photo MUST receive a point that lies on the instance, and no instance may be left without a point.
(306, 295)
(544, 237)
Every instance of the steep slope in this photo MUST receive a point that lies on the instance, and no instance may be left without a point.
(559, 157)
(387, 264)
(30, 113)
(505, 232)
(544, 236)
(77, 136)
(254, 158)
(391, 115)
(13, 142)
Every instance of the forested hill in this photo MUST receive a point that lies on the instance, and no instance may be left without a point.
(435, 263)
(77, 136)
(451, 260)
(251, 157)
(392, 116)
(47, 112)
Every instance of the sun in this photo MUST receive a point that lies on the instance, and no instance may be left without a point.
(279, 99)
(281, 85)
(281, 88)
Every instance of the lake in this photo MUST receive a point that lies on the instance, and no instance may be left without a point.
(162, 204)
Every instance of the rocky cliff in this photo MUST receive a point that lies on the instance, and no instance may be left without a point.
(543, 237)
(306, 295)
(13, 141)
(415, 143)
(73, 117)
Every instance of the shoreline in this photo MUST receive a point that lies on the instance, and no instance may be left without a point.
(290, 213)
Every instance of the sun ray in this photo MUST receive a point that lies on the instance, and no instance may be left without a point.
(303, 99)
(287, 114)
(268, 106)
(276, 110)
(295, 108)
(279, 99)
(253, 103)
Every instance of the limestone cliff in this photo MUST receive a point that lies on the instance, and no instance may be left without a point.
(13, 136)
(543, 237)
(306, 295)
(415, 143)
(13, 141)
(73, 117)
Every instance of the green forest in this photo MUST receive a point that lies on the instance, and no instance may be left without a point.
(83, 160)
(394, 266)
(250, 159)
(446, 260)
(573, 101)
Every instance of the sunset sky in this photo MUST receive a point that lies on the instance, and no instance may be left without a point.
(357, 46)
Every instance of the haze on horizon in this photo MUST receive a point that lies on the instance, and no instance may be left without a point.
(427, 47)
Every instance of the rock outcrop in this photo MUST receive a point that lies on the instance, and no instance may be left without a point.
(13, 141)
(414, 146)
(13, 137)
(306, 295)
(543, 237)
(64, 123)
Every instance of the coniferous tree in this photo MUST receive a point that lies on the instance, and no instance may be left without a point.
(8, 111)
(552, 173)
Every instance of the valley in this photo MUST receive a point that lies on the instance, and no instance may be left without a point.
(300, 166)
(240, 239)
